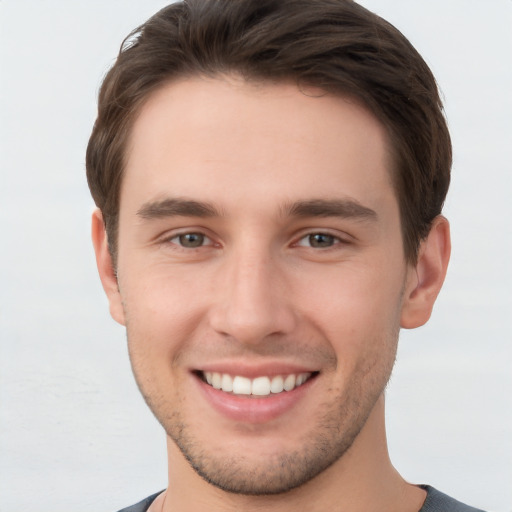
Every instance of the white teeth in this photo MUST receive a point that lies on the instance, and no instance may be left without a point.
(216, 380)
(241, 386)
(227, 382)
(260, 386)
(289, 382)
(301, 378)
(277, 384)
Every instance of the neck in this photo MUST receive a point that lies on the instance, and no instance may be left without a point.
(362, 479)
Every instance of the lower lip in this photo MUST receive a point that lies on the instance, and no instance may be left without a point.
(248, 409)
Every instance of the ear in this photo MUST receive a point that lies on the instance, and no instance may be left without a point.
(425, 279)
(106, 268)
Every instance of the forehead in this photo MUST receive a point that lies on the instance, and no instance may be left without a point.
(226, 140)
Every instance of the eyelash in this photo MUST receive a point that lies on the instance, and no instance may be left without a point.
(205, 241)
(334, 240)
(177, 239)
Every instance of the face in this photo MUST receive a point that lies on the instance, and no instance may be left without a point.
(261, 275)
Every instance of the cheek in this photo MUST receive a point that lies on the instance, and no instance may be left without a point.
(163, 294)
(163, 310)
(356, 307)
(157, 335)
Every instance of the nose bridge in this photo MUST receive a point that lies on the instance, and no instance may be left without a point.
(253, 301)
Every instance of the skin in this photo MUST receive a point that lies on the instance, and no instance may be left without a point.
(270, 283)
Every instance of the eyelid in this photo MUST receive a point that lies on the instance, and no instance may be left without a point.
(339, 238)
(171, 235)
(207, 241)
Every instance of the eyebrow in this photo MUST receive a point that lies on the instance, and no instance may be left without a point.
(344, 208)
(176, 207)
(179, 207)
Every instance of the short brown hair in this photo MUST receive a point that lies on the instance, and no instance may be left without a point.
(336, 45)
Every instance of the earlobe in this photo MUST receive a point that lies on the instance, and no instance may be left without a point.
(106, 268)
(426, 279)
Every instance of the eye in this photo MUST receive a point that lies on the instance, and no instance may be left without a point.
(191, 240)
(319, 240)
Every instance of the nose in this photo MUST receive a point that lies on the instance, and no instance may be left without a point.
(252, 302)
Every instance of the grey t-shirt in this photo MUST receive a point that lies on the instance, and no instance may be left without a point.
(436, 502)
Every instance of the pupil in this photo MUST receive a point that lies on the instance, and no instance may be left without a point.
(321, 240)
(192, 240)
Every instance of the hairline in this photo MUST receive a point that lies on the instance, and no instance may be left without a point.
(391, 155)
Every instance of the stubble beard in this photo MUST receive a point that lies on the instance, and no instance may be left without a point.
(318, 450)
(337, 425)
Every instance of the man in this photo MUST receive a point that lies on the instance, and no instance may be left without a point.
(269, 176)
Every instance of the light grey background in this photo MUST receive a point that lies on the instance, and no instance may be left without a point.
(74, 433)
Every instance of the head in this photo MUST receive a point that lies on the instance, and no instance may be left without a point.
(334, 45)
(269, 175)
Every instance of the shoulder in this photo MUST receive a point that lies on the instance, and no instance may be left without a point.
(141, 506)
(439, 502)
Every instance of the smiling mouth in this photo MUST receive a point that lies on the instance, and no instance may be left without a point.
(259, 386)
